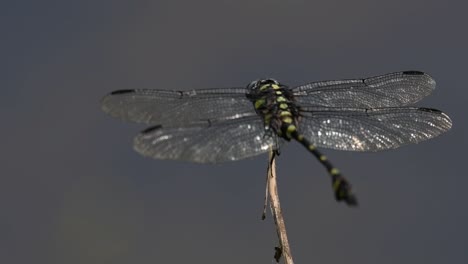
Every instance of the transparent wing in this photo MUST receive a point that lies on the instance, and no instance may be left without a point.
(371, 129)
(177, 107)
(206, 142)
(389, 90)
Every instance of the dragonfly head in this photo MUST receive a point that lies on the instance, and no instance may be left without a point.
(255, 85)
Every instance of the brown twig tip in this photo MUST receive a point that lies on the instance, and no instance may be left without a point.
(283, 250)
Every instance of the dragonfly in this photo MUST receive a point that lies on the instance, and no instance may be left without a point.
(228, 124)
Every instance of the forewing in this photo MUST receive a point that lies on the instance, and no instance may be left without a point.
(206, 142)
(389, 90)
(371, 129)
(177, 107)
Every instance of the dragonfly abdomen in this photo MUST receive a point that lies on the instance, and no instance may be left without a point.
(340, 185)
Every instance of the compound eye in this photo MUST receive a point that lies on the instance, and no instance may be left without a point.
(271, 81)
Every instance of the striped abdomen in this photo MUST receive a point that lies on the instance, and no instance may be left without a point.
(275, 104)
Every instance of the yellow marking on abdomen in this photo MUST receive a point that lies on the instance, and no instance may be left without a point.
(275, 86)
(285, 113)
(311, 147)
(323, 158)
(289, 130)
(336, 184)
(283, 106)
(280, 99)
(287, 119)
(334, 171)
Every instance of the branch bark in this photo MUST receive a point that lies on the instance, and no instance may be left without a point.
(283, 250)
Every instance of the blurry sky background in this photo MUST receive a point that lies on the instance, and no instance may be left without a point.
(72, 190)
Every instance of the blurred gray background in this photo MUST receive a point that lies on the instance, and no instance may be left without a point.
(72, 190)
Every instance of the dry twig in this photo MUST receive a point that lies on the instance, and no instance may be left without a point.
(284, 249)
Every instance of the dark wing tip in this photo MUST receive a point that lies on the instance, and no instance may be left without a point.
(432, 110)
(108, 100)
(122, 91)
(413, 72)
(151, 129)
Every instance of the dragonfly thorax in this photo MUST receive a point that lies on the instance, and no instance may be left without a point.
(274, 102)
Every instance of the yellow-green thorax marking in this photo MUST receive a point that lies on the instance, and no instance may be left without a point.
(275, 104)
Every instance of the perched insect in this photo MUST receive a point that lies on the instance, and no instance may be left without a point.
(217, 125)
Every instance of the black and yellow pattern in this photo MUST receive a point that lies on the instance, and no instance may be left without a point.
(219, 125)
(276, 106)
(340, 185)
